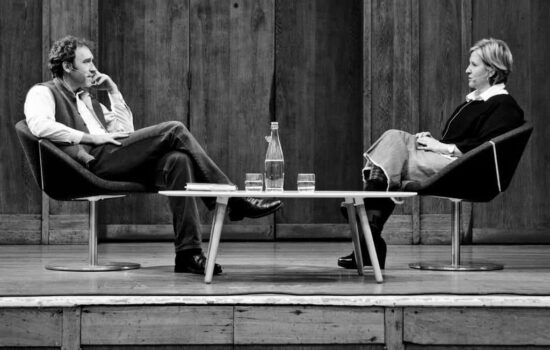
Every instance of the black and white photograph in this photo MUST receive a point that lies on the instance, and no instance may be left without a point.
(275, 174)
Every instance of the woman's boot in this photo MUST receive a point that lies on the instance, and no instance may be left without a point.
(349, 262)
(377, 218)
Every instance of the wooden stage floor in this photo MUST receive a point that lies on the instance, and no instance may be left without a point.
(275, 294)
(287, 268)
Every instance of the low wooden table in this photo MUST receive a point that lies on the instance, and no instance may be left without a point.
(353, 200)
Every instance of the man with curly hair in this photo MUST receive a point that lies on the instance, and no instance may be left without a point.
(165, 156)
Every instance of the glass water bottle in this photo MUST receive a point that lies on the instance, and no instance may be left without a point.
(274, 161)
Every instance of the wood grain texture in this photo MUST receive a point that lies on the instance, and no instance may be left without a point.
(472, 347)
(437, 228)
(21, 64)
(71, 328)
(308, 325)
(20, 229)
(157, 325)
(524, 205)
(391, 78)
(68, 228)
(392, 75)
(535, 191)
(313, 347)
(393, 327)
(396, 231)
(334, 74)
(487, 235)
(416, 204)
(232, 70)
(475, 326)
(243, 231)
(442, 77)
(282, 269)
(23, 222)
(30, 327)
(161, 347)
(318, 101)
(144, 47)
(61, 18)
(65, 17)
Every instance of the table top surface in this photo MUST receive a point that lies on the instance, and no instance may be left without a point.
(289, 194)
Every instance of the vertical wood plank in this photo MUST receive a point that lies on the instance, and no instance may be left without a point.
(367, 73)
(524, 206)
(535, 165)
(232, 69)
(144, 46)
(442, 77)
(60, 18)
(394, 83)
(416, 204)
(318, 101)
(466, 35)
(296, 46)
(393, 327)
(71, 328)
(21, 67)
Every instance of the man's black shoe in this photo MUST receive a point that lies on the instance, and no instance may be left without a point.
(254, 208)
(193, 263)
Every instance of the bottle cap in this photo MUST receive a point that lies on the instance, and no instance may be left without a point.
(274, 125)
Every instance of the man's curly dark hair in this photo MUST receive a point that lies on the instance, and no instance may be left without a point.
(63, 50)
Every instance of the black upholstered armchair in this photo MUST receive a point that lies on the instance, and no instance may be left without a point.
(63, 178)
(478, 176)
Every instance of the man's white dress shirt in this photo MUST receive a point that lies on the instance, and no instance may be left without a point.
(40, 114)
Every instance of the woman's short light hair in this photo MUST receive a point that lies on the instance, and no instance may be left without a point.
(496, 54)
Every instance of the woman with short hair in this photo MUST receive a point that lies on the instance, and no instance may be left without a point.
(398, 157)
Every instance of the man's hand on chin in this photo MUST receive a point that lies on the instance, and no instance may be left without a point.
(104, 82)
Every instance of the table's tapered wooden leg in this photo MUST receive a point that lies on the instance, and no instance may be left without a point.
(215, 234)
(348, 203)
(360, 207)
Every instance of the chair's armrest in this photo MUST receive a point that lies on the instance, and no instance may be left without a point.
(470, 177)
(64, 178)
(54, 159)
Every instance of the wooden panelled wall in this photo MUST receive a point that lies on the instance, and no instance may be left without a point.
(335, 74)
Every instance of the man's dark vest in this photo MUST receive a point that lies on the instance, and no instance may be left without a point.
(66, 112)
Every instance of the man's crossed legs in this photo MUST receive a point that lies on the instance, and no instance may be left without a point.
(166, 156)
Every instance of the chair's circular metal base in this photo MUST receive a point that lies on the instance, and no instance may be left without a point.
(85, 267)
(438, 266)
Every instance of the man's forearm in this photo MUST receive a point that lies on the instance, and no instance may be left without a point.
(87, 138)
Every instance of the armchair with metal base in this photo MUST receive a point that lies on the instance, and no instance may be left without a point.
(478, 176)
(62, 178)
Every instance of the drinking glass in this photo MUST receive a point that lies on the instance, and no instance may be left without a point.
(253, 182)
(306, 182)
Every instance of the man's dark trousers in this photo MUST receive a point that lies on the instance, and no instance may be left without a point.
(165, 156)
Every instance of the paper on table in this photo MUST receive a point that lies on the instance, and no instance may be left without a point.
(195, 186)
